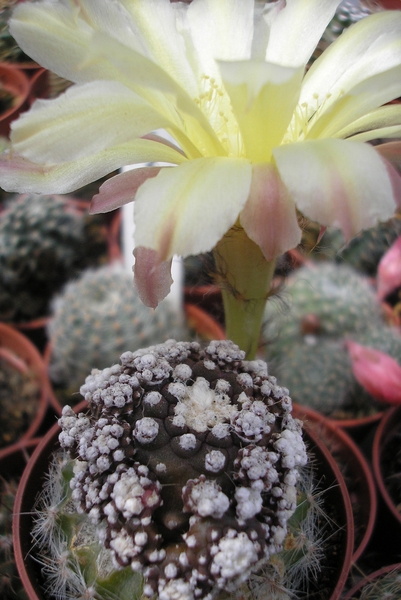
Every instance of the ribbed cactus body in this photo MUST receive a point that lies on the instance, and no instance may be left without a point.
(187, 465)
(44, 242)
(306, 329)
(97, 317)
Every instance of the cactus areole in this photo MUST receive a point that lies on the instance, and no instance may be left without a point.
(187, 462)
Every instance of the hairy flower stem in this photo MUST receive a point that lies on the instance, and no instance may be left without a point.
(244, 276)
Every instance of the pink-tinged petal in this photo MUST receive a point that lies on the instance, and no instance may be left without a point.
(187, 209)
(152, 278)
(377, 372)
(18, 174)
(391, 152)
(338, 182)
(121, 189)
(269, 216)
(389, 271)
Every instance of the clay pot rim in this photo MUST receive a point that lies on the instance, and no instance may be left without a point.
(363, 466)
(369, 578)
(389, 422)
(18, 343)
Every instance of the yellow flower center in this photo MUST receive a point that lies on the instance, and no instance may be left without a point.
(215, 105)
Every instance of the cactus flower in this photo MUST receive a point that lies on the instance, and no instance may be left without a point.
(377, 372)
(256, 136)
(389, 271)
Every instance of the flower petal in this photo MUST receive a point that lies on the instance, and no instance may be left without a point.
(377, 372)
(187, 209)
(269, 216)
(85, 120)
(391, 152)
(17, 174)
(121, 189)
(368, 48)
(296, 30)
(369, 94)
(337, 182)
(263, 97)
(152, 278)
(54, 36)
(221, 30)
(389, 270)
(369, 126)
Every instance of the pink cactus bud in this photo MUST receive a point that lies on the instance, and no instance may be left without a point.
(389, 270)
(377, 372)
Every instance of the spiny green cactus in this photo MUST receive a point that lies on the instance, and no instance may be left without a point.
(74, 564)
(97, 317)
(187, 465)
(323, 299)
(44, 241)
(10, 584)
(387, 587)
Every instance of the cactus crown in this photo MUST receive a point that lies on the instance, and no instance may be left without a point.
(43, 243)
(99, 315)
(187, 465)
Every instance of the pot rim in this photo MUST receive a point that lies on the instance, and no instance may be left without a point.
(389, 422)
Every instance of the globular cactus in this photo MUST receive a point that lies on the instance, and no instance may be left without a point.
(321, 308)
(97, 317)
(10, 585)
(322, 299)
(44, 241)
(186, 465)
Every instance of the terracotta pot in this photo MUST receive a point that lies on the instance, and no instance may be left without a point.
(16, 83)
(358, 427)
(356, 590)
(32, 478)
(387, 436)
(203, 323)
(19, 347)
(355, 470)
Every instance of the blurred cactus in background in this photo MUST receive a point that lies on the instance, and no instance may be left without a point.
(44, 242)
(97, 317)
(307, 326)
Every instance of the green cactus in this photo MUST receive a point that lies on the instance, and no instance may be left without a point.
(386, 587)
(44, 241)
(96, 318)
(10, 584)
(324, 298)
(326, 305)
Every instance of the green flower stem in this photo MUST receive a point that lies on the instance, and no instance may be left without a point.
(244, 276)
